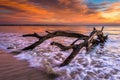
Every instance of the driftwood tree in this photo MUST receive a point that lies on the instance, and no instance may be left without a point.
(89, 41)
(51, 35)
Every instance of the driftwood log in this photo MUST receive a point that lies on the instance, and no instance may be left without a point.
(51, 35)
(89, 41)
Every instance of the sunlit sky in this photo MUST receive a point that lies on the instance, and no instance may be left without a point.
(60, 11)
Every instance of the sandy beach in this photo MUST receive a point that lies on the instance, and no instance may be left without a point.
(13, 69)
(39, 63)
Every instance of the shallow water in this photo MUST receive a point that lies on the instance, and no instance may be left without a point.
(102, 63)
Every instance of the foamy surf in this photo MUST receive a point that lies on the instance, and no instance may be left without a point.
(102, 63)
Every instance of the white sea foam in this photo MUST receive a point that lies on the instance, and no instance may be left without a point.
(102, 63)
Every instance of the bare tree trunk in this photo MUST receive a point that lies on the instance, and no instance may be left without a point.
(89, 42)
(86, 43)
(51, 35)
(75, 51)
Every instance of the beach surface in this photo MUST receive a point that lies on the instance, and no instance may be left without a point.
(13, 69)
(102, 63)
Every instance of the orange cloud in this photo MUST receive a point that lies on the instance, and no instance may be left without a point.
(66, 11)
(30, 12)
(112, 14)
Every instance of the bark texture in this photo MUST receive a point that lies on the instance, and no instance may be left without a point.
(89, 41)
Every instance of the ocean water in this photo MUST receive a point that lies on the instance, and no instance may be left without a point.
(101, 63)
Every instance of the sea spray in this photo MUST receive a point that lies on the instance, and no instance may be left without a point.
(102, 63)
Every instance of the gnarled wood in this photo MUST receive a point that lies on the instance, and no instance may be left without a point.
(76, 49)
(88, 42)
(63, 47)
(32, 35)
(51, 35)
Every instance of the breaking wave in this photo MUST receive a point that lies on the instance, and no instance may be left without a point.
(102, 63)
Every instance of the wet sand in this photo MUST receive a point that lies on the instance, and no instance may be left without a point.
(13, 69)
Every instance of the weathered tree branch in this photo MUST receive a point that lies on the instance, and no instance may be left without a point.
(51, 35)
(75, 41)
(89, 41)
(32, 35)
(76, 49)
(86, 43)
(62, 47)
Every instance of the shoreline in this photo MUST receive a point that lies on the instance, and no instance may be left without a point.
(44, 58)
(13, 69)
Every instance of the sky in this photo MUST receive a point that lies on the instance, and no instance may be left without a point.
(59, 11)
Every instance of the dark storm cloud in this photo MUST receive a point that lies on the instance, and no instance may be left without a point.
(75, 5)
(46, 3)
(12, 9)
(100, 6)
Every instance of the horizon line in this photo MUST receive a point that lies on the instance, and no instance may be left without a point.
(60, 24)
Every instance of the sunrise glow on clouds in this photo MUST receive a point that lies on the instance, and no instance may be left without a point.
(59, 11)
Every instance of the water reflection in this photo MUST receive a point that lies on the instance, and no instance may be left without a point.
(41, 29)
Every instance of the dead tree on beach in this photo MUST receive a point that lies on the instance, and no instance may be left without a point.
(89, 41)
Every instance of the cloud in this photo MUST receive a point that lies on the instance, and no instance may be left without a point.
(25, 11)
(58, 11)
(10, 8)
(113, 11)
(57, 5)
(98, 6)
